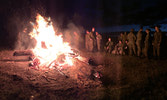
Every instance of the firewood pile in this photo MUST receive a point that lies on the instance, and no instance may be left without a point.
(83, 71)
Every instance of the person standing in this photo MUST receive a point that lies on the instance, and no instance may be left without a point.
(139, 42)
(120, 38)
(131, 42)
(98, 40)
(88, 41)
(147, 44)
(157, 42)
(92, 36)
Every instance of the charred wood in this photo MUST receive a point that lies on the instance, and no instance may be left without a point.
(23, 53)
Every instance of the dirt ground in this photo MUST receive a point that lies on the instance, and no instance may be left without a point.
(19, 81)
(124, 77)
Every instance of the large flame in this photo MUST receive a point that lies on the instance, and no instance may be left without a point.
(49, 46)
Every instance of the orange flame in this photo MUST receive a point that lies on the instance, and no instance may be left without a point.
(49, 46)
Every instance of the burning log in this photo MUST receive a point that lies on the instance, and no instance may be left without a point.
(61, 72)
(18, 56)
(23, 53)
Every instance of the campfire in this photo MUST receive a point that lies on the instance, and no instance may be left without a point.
(51, 52)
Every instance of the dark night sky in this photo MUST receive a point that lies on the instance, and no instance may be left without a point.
(15, 14)
(109, 12)
(89, 12)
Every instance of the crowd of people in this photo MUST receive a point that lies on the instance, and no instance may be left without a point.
(143, 44)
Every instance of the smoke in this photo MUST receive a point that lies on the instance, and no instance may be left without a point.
(24, 41)
(15, 23)
(15, 16)
(74, 35)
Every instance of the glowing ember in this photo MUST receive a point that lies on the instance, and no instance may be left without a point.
(49, 47)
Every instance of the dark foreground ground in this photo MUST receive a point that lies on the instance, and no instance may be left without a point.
(124, 78)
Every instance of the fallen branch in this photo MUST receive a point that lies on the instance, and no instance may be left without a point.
(23, 53)
(58, 69)
(45, 78)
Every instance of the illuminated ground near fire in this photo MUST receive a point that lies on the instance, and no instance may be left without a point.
(123, 77)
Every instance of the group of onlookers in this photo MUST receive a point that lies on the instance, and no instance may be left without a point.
(93, 40)
(142, 44)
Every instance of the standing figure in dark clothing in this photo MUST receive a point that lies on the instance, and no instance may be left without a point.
(88, 41)
(157, 42)
(139, 42)
(98, 40)
(92, 36)
(131, 42)
(147, 44)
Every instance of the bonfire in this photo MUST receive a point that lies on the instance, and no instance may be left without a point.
(51, 52)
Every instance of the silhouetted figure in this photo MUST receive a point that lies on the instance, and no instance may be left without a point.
(147, 44)
(139, 42)
(89, 41)
(157, 42)
(98, 40)
(131, 42)
(92, 36)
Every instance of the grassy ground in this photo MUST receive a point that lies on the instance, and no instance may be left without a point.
(124, 78)
(140, 79)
